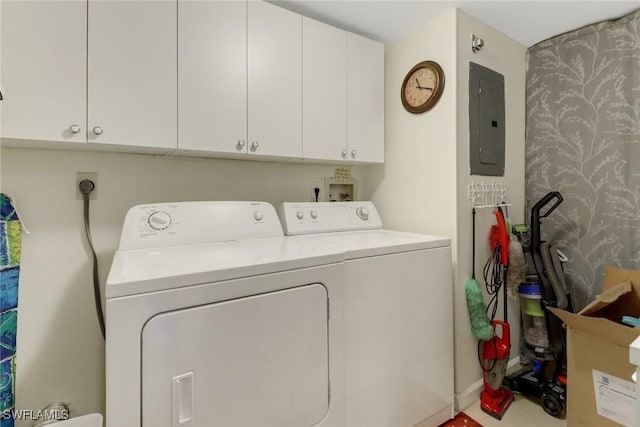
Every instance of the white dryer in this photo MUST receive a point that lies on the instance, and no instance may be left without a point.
(398, 305)
(214, 318)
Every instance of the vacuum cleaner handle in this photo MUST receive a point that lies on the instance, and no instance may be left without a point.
(535, 215)
(545, 201)
(498, 347)
(503, 335)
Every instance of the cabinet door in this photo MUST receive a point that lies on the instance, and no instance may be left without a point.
(132, 68)
(275, 80)
(44, 60)
(212, 75)
(324, 91)
(365, 99)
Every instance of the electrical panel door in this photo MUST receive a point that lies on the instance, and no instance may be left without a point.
(486, 121)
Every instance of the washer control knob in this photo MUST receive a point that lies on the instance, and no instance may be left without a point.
(363, 213)
(257, 215)
(299, 215)
(314, 214)
(159, 220)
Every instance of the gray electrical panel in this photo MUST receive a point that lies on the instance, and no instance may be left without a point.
(486, 121)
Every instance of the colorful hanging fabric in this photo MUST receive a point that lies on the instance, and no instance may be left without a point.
(10, 248)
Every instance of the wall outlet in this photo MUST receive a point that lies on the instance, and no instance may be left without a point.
(81, 176)
(315, 185)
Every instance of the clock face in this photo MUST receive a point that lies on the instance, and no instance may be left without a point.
(422, 87)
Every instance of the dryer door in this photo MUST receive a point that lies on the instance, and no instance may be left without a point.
(253, 361)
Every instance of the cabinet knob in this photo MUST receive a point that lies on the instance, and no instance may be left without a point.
(353, 154)
(97, 130)
(254, 145)
(74, 128)
(241, 143)
(344, 154)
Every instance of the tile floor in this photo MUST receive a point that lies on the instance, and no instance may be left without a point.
(522, 413)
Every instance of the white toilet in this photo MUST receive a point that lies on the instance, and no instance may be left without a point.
(90, 420)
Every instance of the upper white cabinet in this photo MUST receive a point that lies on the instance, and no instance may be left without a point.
(324, 91)
(111, 79)
(212, 76)
(44, 59)
(365, 102)
(274, 76)
(227, 78)
(343, 95)
(132, 73)
(240, 78)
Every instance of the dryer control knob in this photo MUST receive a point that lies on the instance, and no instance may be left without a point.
(257, 215)
(363, 213)
(299, 215)
(314, 214)
(159, 220)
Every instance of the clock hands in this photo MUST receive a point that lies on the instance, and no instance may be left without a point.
(421, 87)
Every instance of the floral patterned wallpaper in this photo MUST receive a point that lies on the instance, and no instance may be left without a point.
(583, 139)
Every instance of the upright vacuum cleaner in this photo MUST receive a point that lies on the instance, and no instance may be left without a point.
(543, 342)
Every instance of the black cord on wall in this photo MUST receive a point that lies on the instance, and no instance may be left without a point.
(86, 187)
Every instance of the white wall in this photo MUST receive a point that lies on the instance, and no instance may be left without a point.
(422, 186)
(507, 57)
(60, 350)
(415, 188)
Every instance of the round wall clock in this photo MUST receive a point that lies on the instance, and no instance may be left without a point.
(422, 87)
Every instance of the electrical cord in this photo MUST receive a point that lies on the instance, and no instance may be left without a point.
(493, 274)
(481, 359)
(86, 187)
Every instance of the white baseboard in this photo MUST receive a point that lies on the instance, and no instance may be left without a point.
(513, 365)
(438, 418)
(472, 393)
(468, 396)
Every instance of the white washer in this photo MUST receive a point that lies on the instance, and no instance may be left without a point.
(398, 305)
(214, 318)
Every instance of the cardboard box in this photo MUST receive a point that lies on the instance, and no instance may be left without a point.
(600, 390)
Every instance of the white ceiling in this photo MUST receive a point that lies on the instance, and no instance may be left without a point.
(525, 21)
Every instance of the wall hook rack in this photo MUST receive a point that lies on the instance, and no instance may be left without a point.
(488, 194)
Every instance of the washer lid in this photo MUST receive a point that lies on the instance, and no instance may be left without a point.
(147, 270)
(366, 243)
